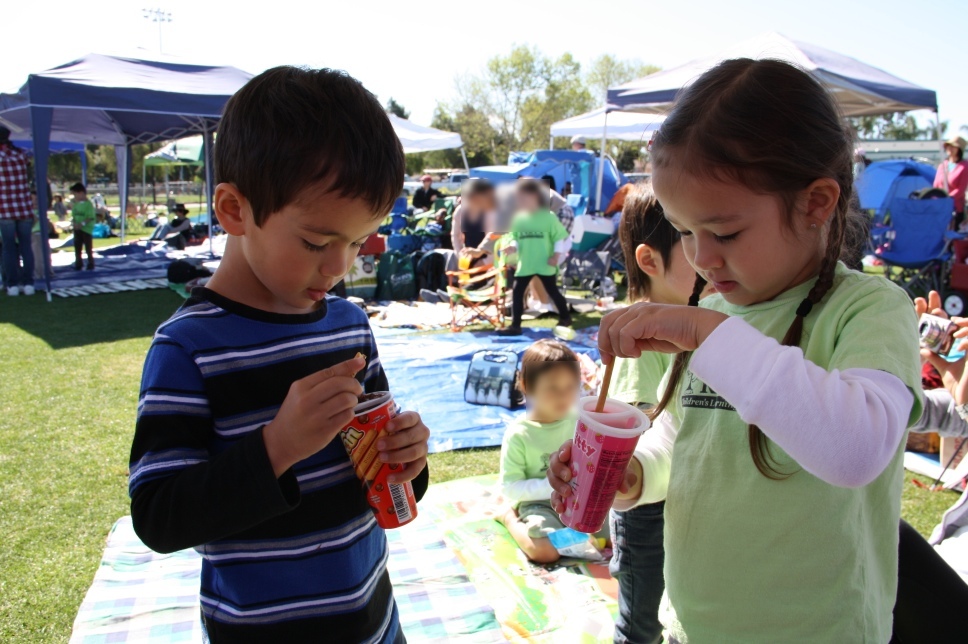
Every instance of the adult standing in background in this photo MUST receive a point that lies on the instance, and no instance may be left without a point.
(16, 218)
(424, 197)
(952, 175)
(577, 143)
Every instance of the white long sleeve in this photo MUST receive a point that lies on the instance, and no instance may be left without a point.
(654, 453)
(527, 490)
(843, 427)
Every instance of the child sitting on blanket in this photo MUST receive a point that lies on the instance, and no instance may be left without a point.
(550, 379)
(247, 386)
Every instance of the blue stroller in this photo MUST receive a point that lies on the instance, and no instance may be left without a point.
(918, 253)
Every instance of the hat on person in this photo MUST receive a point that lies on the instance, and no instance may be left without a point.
(180, 208)
(957, 142)
(578, 139)
(426, 177)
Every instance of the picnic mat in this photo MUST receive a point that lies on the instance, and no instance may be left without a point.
(457, 577)
(427, 373)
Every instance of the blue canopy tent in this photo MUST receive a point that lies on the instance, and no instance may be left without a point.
(858, 88)
(118, 101)
(580, 167)
(884, 181)
(58, 147)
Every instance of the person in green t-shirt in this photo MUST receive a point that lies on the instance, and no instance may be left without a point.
(539, 237)
(550, 379)
(778, 443)
(657, 271)
(84, 217)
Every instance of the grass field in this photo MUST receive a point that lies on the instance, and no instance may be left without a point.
(70, 372)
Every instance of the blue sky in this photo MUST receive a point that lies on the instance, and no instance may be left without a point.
(414, 51)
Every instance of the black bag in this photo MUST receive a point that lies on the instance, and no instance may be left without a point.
(395, 279)
(432, 272)
(492, 379)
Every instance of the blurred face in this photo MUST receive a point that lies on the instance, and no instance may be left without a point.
(78, 196)
(527, 201)
(304, 249)
(554, 394)
(427, 183)
(739, 240)
(951, 151)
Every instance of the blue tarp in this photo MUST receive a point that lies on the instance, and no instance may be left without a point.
(858, 88)
(427, 373)
(577, 166)
(884, 181)
(119, 101)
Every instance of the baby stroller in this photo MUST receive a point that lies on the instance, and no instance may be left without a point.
(588, 271)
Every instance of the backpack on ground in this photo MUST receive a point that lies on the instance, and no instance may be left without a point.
(492, 379)
(395, 277)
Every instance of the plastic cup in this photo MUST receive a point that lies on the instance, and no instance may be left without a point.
(604, 443)
(393, 503)
(464, 262)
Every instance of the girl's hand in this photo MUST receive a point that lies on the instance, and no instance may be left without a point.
(666, 328)
(953, 374)
(559, 473)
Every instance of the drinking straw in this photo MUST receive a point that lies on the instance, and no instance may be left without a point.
(606, 380)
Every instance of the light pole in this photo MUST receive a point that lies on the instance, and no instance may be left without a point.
(159, 16)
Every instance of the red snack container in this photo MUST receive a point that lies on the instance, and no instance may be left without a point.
(393, 503)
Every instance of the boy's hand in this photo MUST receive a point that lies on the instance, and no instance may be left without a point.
(313, 413)
(665, 328)
(406, 444)
(553, 260)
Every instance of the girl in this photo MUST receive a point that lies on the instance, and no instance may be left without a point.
(540, 239)
(779, 449)
(550, 380)
(657, 272)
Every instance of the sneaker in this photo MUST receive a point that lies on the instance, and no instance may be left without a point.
(29, 290)
(78, 266)
(429, 296)
(13, 291)
(443, 295)
(509, 331)
(90, 266)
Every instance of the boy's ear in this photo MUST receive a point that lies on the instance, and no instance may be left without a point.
(230, 206)
(648, 260)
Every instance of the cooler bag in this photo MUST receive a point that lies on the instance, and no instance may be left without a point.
(492, 379)
(395, 277)
(589, 232)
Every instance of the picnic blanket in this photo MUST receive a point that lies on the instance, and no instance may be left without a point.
(457, 577)
(428, 371)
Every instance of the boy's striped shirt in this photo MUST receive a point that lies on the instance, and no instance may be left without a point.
(300, 558)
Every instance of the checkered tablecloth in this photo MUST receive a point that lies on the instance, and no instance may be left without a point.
(145, 597)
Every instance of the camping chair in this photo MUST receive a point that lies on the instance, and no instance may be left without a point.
(477, 295)
(918, 253)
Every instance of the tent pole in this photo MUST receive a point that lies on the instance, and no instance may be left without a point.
(601, 166)
(122, 154)
(551, 142)
(143, 175)
(944, 161)
(207, 142)
(84, 165)
(41, 119)
(463, 155)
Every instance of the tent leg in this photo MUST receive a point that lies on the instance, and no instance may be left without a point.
(41, 119)
(601, 168)
(463, 155)
(551, 142)
(84, 165)
(207, 142)
(123, 155)
(937, 118)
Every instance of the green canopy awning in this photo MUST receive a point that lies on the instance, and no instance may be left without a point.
(187, 151)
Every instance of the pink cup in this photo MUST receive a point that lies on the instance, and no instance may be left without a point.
(604, 443)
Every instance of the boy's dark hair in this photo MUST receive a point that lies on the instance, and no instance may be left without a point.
(78, 187)
(543, 356)
(289, 128)
(643, 222)
(475, 186)
(530, 186)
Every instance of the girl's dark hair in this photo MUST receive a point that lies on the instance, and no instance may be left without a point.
(961, 153)
(548, 179)
(774, 129)
(643, 222)
(543, 356)
(530, 186)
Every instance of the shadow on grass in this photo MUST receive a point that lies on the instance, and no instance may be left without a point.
(80, 321)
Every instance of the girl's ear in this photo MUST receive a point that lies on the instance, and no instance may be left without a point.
(821, 196)
(648, 260)
(230, 206)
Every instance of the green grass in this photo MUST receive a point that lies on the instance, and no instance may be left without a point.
(70, 372)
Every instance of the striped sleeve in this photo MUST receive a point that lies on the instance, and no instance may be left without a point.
(181, 496)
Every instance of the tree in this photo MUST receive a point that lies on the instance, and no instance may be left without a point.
(607, 71)
(897, 126)
(396, 109)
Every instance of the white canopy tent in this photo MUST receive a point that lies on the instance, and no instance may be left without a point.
(418, 138)
(620, 126)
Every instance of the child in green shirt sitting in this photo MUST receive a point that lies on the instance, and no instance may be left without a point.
(84, 217)
(539, 236)
(550, 380)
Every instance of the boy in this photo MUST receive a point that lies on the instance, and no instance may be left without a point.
(84, 217)
(246, 387)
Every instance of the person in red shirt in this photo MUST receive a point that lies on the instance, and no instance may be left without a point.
(16, 218)
(952, 175)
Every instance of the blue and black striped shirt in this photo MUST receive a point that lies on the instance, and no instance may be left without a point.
(299, 558)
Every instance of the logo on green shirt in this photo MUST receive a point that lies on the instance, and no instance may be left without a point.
(696, 393)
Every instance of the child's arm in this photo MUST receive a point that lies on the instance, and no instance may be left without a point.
(515, 486)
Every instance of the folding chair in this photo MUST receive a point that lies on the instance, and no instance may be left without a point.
(918, 253)
(477, 295)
